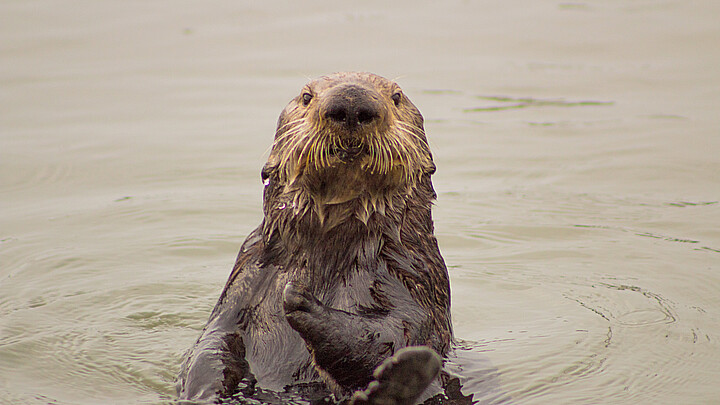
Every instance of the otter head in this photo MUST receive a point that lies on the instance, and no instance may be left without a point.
(345, 137)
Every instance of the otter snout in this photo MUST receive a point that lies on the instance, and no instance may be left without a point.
(352, 107)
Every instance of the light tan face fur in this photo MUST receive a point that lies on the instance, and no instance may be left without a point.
(336, 162)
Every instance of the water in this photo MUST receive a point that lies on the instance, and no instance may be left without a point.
(578, 183)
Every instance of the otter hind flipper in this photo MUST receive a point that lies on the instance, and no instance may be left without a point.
(402, 378)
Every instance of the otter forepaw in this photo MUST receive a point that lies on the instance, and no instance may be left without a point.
(302, 309)
(298, 298)
(402, 378)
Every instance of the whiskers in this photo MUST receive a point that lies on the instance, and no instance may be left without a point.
(398, 150)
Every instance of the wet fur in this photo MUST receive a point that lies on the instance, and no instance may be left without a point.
(348, 230)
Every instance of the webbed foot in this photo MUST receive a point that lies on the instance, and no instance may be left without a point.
(402, 378)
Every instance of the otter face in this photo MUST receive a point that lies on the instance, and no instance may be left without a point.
(346, 134)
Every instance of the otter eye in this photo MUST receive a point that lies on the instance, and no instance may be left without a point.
(396, 98)
(306, 97)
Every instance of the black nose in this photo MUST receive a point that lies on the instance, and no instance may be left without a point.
(352, 107)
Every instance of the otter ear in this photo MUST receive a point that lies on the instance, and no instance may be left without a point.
(430, 169)
(269, 170)
(265, 173)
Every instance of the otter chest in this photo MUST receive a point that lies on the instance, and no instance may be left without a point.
(276, 353)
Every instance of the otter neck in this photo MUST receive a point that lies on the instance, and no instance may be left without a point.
(330, 241)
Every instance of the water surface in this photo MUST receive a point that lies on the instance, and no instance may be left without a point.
(578, 155)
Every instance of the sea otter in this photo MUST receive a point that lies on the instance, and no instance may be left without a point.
(344, 271)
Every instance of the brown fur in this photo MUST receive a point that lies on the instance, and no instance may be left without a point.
(345, 258)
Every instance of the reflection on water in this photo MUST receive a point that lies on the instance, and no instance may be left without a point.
(508, 103)
(578, 205)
